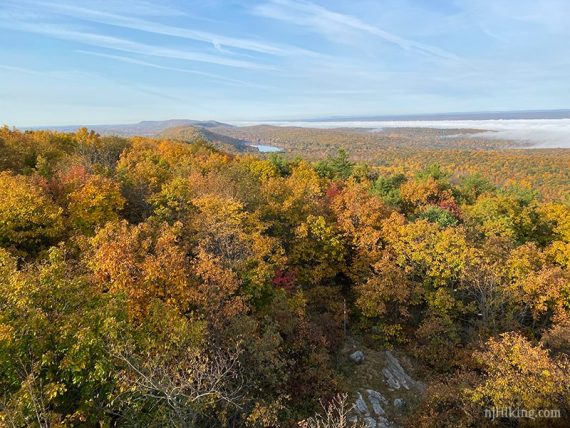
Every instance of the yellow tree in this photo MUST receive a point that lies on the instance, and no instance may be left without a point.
(143, 263)
(142, 171)
(318, 251)
(97, 201)
(359, 216)
(435, 258)
(538, 289)
(289, 200)
(29, 220)
(425, 250)
(421, 192)
(521, 375)
(388, 295)
(507, 216)
(223, 230)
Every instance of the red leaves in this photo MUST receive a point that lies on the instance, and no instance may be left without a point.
(285, 279)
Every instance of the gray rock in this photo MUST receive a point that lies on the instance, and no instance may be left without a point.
(377, 395)
(390, 379)
(357, 357)
(399, 403)
(383, 423)
(370, 422)
(374, 398)
(360, 406)
(396, 369)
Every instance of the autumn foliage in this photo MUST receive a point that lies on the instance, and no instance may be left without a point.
(156, 283)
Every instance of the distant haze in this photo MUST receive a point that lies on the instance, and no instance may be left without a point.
(541, 128)
(543, 133)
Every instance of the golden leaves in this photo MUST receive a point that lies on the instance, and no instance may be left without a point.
(519, 374)
(29, 220)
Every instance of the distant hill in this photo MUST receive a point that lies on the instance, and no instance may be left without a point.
(192, 133)
(153, 127)
(174, 129)
(144, 128)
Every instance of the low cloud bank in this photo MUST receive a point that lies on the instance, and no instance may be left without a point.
(541, 133)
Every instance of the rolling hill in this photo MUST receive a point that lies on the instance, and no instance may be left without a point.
(193, 133)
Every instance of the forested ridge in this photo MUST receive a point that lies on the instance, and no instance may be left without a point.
(150, 282)
(460, 151)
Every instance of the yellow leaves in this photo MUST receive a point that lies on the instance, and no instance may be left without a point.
(215, 161)
(143, 263)
(420, 192)
(54, 389)
(215, 209)
(86, 138)
(520, 375)
(262, 169)
(559, 253)
(423, 247)
(494, 215)
(304, 180)
(236, 238)
(387, 285)
(143, 169)
(217, 289)
(359, 215)
(296, 193)
(559, 215)
(523, 260)
(28, 218)
(318, 250)
(547, 290)
(173, 202)
(220, 225)
(266, 414)
(8, 265)
(507, 216)
(542, 288)
(6, 332)
(96, 202)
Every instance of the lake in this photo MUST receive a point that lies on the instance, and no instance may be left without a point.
(266, 149)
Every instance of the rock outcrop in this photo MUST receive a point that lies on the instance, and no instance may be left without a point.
(379, 408)
(357, 357)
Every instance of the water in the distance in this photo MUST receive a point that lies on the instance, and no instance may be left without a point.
(266, 149)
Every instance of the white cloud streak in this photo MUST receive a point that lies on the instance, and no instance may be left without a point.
(333, 24)
(120, 44)
(12, 68)
(216, 40)
(216, 77)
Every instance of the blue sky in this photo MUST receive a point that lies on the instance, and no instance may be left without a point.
(117, 61)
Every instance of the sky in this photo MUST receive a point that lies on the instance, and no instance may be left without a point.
(75, 62)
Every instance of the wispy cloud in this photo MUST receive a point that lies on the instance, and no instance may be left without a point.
(307, 57)
(218, 41)
(135, 61)
(121, 44)
(19, 69)
(157, 93)
(333, 24)
(147, 8)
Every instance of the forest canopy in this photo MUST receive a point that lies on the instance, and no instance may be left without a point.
(153, 282)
